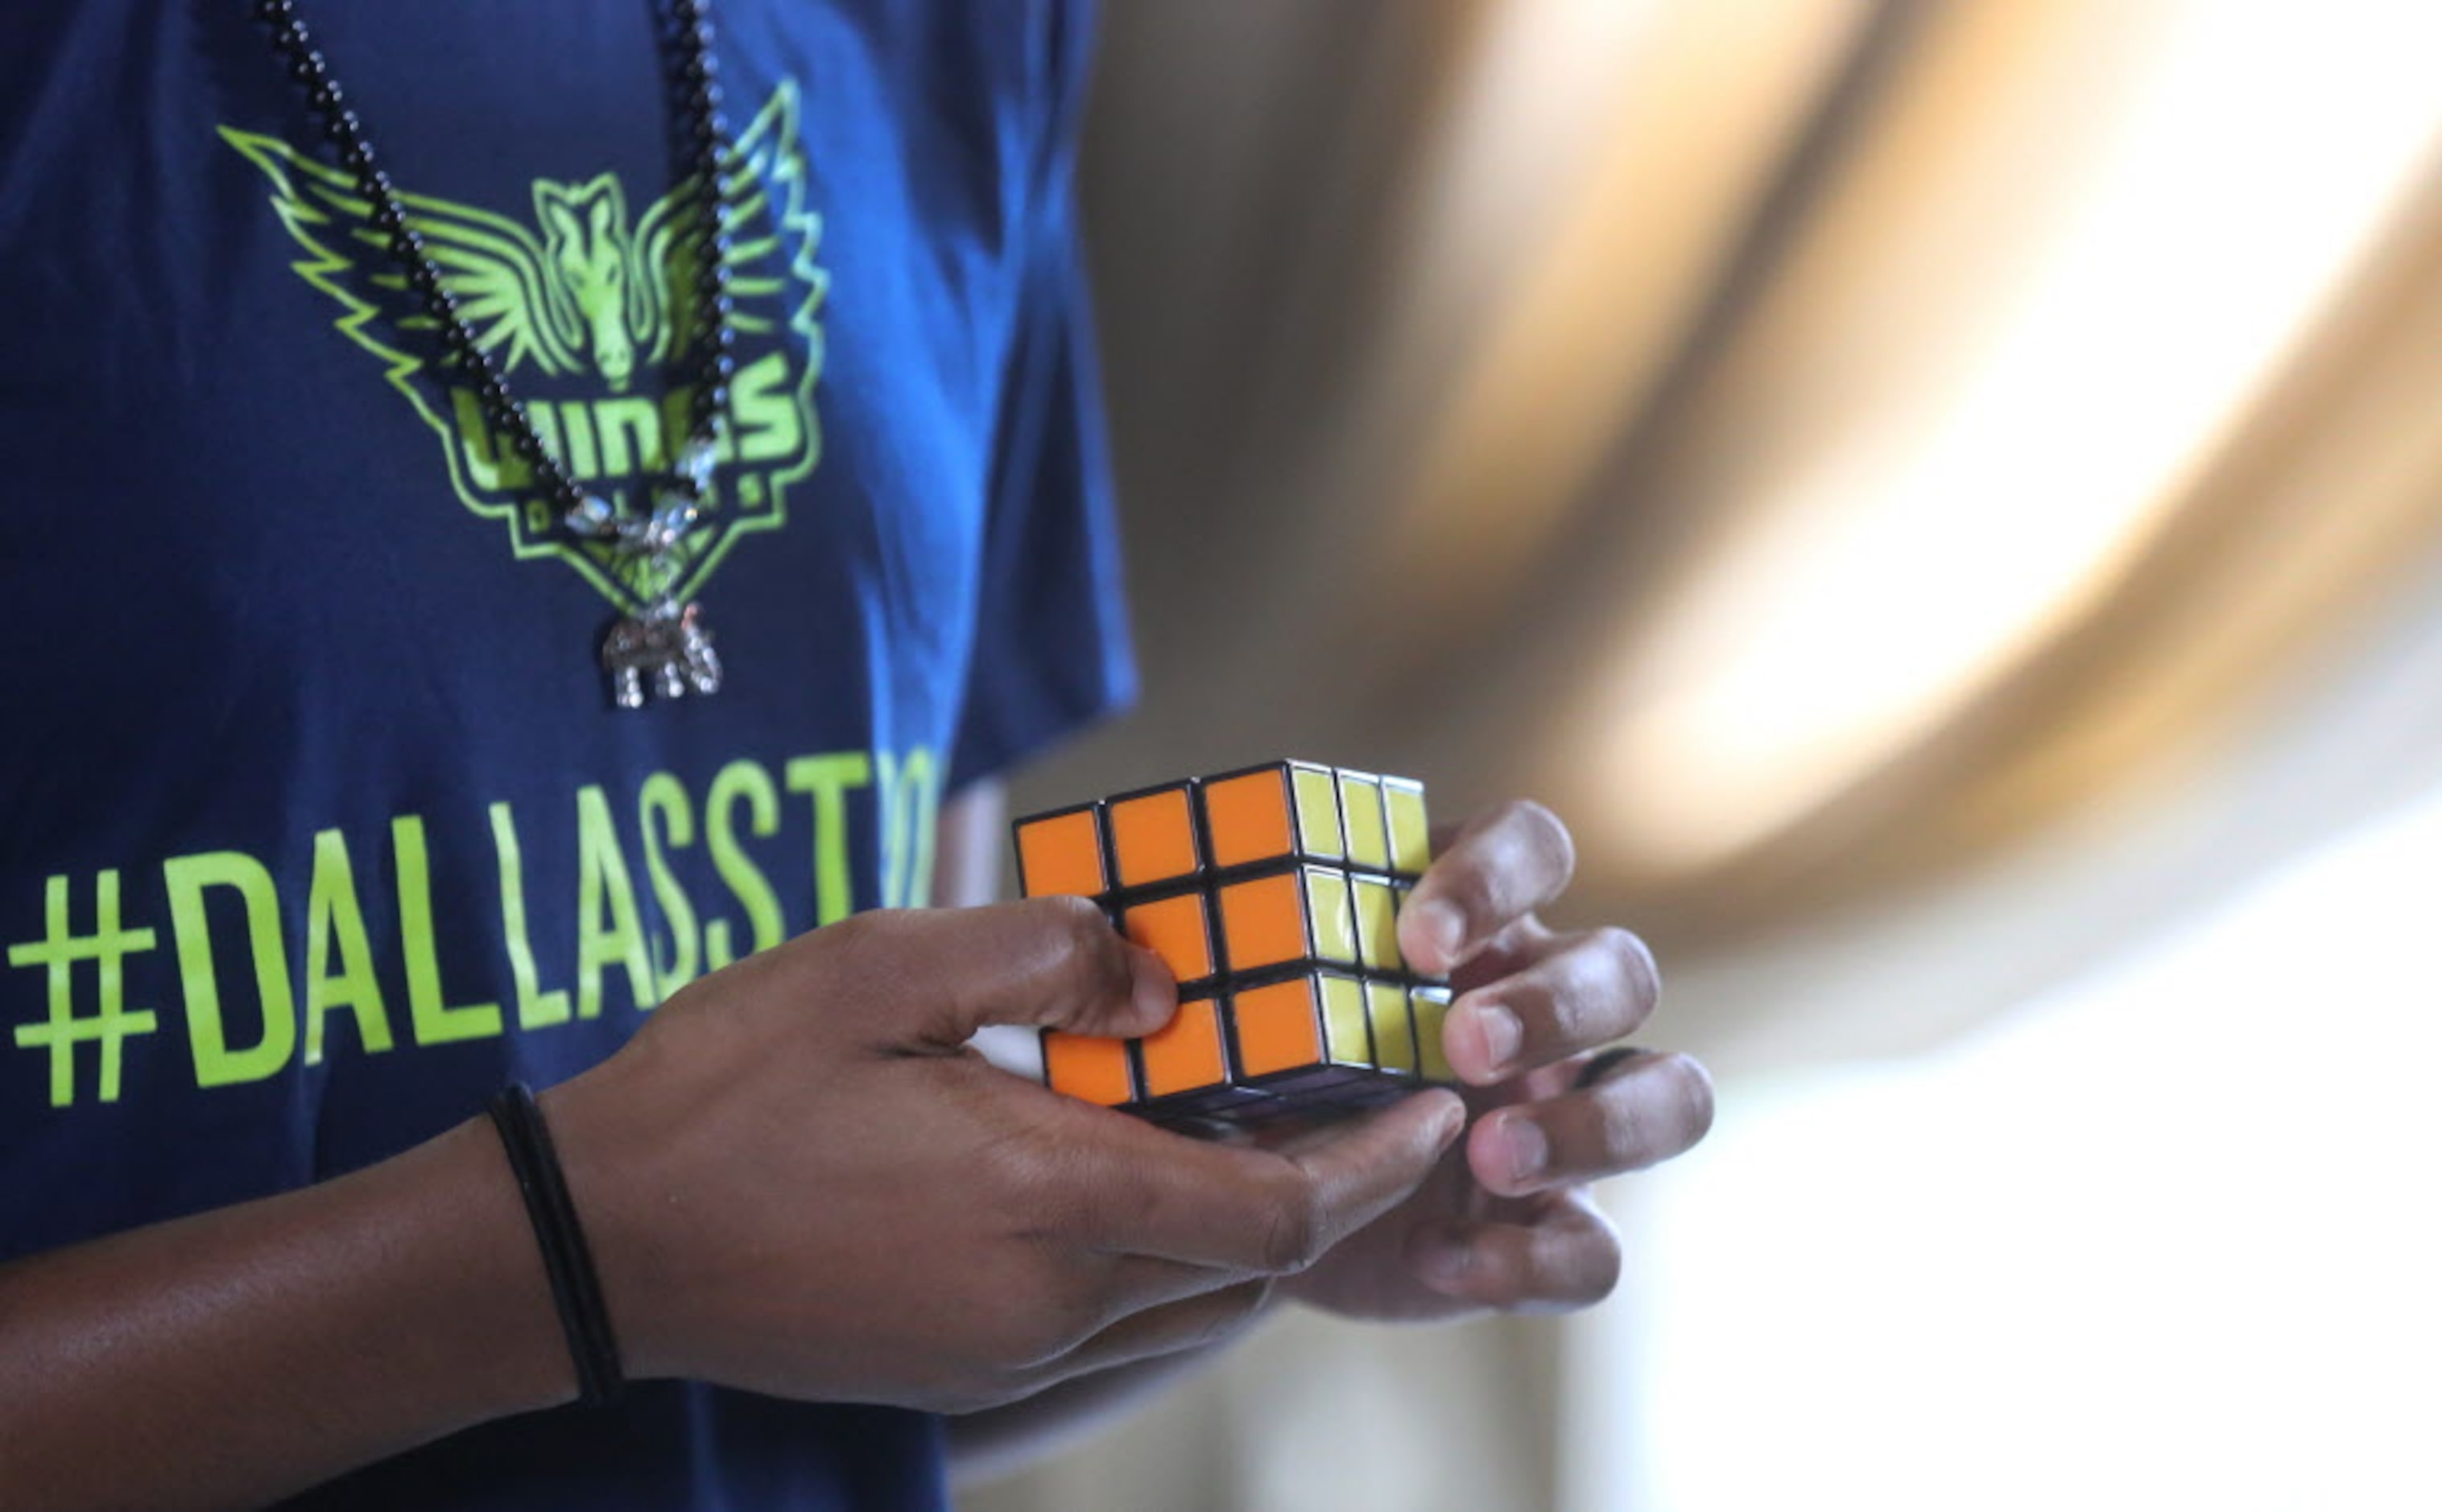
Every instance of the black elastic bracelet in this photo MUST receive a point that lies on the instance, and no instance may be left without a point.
(1599, 1066)
(575, 1289)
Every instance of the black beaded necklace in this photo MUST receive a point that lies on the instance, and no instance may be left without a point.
(667, 642)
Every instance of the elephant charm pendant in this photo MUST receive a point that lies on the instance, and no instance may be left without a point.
(667, 649)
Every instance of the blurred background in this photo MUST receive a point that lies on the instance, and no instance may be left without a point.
(1945, 498)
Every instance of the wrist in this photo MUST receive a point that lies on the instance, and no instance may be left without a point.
(560, 1238)
(482, 1312)
(608, 1167)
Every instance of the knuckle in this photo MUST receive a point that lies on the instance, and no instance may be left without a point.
(854, 946)
(1567, 1008)
(1466, 884)
(1085, 948)
(1293, 1229)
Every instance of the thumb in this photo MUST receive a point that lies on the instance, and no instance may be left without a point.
(1055, 962)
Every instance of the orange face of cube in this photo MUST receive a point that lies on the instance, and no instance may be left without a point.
(1185, 1056)
(1085, 1066)
(1061, 855)
(1153, 837)
(1263, 921)
(1249, 817)
(1174, 929)
(1279, 1028)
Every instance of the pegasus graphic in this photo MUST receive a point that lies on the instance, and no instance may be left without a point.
(579, 308)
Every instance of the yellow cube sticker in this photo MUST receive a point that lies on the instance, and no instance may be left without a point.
(1411, 841)
(1377, 925)
(1361, 810)
(1395, 1036)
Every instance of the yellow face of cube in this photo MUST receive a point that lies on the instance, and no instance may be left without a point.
(1361, 812)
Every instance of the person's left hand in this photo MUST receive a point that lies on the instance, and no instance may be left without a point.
(1507, 1221)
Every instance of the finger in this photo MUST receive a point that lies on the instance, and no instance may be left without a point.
(1525, 942)
(1050, 961)
(1589, 990)
(1652, 1107)
(1502, 867)
(1259, 1212)
(1565, 1256)
(1172, 1328)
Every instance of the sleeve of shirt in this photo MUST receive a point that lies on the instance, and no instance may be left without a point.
(1052, 644)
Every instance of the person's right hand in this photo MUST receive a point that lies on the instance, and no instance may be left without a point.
(798, 1181)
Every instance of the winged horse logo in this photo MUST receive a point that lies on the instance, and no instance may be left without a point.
(575, 308)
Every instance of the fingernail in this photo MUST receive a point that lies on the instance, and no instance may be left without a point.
(1443, 927)
(1453, 1124)
(1501, 1032)
(1442, 1260)
(1522, 1148)
(1151, 987)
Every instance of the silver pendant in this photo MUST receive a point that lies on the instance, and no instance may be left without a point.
(667, 649)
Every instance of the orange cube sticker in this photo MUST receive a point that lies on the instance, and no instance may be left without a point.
(1175, 929)
(1061, 854)
(1153, 836)
(1263, 921)
(1279, 1028)
(1185, 1055)
(1087, 1067)
(1249, 816)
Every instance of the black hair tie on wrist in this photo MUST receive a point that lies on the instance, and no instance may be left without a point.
(575, 1289)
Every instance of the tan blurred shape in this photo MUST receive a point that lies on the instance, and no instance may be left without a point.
(2053, 423)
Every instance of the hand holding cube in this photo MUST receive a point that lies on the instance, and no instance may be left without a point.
(1508, 1221)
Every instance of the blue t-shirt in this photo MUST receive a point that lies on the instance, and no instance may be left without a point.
(316, 823)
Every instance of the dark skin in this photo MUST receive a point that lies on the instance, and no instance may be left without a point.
(1009, 1254)
(1508, 1220)
(1482, 1234)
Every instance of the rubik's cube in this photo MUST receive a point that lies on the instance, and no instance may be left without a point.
(1273, 893)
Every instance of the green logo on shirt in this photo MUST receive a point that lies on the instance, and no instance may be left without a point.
(577, 310)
